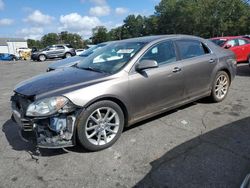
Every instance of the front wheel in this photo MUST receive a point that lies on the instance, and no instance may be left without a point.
(100, 125)
(220, 86)
(42, 57)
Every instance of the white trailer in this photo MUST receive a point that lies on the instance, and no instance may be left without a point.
(11, 45)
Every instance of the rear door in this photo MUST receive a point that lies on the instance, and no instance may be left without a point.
(234, 43)
(50, 53)
(244, 49)
(59, 52)
(198, 62)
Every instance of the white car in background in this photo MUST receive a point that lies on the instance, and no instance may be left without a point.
(23, 49)
(79, 51)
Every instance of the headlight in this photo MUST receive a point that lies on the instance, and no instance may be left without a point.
(46, 106)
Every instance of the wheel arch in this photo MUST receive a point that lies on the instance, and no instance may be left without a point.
(42, 54)
(116, 100)
(228, 73)
(68, 53)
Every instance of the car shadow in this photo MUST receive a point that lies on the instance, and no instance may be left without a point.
(159, 116)
(243, 69)
(219, 158)
(11, 131)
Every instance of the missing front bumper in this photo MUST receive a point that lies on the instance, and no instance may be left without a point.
(53, 132)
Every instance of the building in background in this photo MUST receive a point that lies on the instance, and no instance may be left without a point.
(12, 45)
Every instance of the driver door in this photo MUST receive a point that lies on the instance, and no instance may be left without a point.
(155, 89)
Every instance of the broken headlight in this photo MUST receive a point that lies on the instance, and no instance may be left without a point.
(49, 106)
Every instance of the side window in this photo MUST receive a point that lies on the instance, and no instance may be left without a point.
(50, 48)
(206, 49)
(242, 42)
(232, 43)
(59, 47)
(69, 46)
(162, 53)
(191, 48)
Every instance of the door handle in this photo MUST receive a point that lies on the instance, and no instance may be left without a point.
(177, 69)
(211, 61)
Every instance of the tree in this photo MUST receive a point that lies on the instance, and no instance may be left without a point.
(100, 34)
(115, 34)
(50, 39)
(34, 43)
(133, 27)
(71, 38)
(151, 25)
(206, 18)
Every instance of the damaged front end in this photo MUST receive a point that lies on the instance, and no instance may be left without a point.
(49, 123)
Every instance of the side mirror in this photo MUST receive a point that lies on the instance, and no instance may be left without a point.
(228, 46)
(146, 64)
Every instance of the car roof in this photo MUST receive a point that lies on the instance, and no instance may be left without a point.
(152, 38)
(227, 37)
(59, 44)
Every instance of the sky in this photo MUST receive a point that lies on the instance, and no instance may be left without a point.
(34, 18)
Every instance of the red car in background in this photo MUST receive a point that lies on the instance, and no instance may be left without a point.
(239, 45)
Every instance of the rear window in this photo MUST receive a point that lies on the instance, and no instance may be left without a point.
(69, 46)
(219, 42)
(59, 47)
(242, 42)
(191, 48)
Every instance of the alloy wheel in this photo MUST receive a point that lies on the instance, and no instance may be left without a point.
(102, 126)
(42, 58)
(68, 55)
(221, 86)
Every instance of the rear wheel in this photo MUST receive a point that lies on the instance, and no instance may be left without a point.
(42, 57)
(67, 55)
(100, 125)
(220, 86)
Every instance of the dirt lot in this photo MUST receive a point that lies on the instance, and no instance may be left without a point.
(199, 145)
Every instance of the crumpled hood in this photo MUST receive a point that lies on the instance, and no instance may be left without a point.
(59, 81)
(68, 62)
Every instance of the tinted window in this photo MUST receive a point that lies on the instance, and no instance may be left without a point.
(162, 53)
(219, 42)
(59, 47)
(232, 43)
(242, 42)
(69, 46)
(191, 48)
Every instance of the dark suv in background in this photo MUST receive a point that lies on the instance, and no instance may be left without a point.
(54, 51)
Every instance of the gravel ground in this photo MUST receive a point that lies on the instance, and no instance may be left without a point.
(199, 145)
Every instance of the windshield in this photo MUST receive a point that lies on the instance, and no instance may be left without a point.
(89, 51)
(111, 58)
(219, 42)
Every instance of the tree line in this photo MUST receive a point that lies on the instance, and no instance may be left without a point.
(205, 18)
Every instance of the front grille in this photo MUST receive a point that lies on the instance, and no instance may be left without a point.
(27, 125)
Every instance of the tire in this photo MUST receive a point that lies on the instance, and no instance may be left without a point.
(220, 86)
(67, 55)
(97, 132)
(41, 57)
